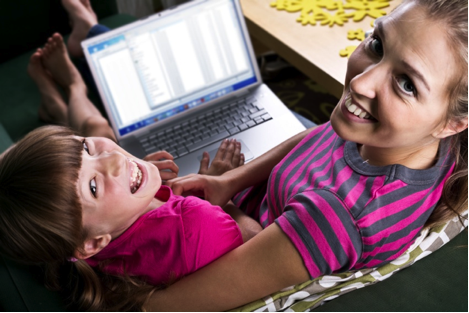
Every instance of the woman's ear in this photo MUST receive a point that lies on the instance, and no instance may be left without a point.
(451, 128)
(92, 246)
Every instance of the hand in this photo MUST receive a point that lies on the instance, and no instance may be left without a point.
(215, 189)
(228, 157)
(164, 162)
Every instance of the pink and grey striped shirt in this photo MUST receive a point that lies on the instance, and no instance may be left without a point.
(340, 212)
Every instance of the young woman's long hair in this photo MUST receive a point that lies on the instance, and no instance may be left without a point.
(41, 220)
(453, 15)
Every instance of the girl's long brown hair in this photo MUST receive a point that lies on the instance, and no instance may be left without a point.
(453, 15)
(41, 221)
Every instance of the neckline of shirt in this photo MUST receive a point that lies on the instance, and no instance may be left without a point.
(410, 176)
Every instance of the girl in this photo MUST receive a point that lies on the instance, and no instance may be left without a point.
(354, 192)
(86, 200)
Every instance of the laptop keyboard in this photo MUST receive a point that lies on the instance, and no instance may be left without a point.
(207, 128)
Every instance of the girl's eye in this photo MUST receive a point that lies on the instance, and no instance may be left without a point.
(85, 146)
(376, 45)
(93, 187)
(406, 85)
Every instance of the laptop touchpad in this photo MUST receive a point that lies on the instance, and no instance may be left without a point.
(244, 149)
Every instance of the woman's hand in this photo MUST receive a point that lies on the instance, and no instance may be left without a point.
(164, 162)
(228, 157)
(215, 189)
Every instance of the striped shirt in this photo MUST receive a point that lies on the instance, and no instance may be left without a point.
(340, 212)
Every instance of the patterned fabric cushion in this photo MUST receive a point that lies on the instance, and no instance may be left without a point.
(313, 293)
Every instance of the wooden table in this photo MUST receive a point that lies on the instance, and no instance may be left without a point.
(314, 50)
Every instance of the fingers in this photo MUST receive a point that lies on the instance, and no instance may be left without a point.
(191, 182)
(164, 162)
(168, 169)
(236, 155)
(241, 159)
(221, 150)
(158, 155)
(204, 163)
(230, 150)
(165, 175)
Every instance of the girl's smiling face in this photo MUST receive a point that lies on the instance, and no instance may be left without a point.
(396, 91)
(115, 188)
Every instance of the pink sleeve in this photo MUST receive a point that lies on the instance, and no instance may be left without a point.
(209, 232)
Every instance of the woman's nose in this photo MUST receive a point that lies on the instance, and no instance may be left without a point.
(367, 83)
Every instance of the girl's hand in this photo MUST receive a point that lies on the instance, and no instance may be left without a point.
(228, 157)
(214, 189)
(164, 162)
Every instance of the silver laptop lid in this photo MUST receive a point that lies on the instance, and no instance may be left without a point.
(173, 62)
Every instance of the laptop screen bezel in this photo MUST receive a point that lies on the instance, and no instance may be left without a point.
(164, 14)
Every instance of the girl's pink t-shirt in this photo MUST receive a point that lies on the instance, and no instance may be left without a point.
(167, 243)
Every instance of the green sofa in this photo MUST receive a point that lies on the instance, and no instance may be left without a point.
(436, 283)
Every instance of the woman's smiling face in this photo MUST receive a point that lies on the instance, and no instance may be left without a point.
(114, 187)
(396, 91)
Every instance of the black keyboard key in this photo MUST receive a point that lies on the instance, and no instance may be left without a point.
(182, 151)
(173, 152)
(206, 142)
(234, 130)
(259, 120)
(243, 126)
(151, 149)
(256, 114)
(237, 122)
(229, 125)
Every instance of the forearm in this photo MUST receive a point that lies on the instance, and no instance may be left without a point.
(265, 264)
(248, 226)
(259, 169)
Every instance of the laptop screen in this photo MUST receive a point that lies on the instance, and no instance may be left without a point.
(170, 64)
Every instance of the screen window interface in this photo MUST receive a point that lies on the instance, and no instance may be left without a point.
(169, 66)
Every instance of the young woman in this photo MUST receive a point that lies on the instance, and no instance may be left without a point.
(354, 192)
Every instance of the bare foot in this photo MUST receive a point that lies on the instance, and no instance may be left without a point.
(56, 60)
(53, 108)
(82, 18)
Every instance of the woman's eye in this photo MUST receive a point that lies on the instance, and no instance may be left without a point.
(406, 85)
(93, 187)
(376, 45)
(85, 147)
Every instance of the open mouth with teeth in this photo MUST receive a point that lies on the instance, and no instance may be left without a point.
(135, 177)
(355, 110)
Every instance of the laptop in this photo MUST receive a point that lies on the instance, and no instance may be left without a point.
(185, 79)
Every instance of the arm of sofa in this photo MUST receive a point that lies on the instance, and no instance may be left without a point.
(22, 289)
(5, 140)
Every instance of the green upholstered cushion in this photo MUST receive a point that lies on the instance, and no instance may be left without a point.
(5, 140)
(22, 289)
(19, 97)
(436, 283)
